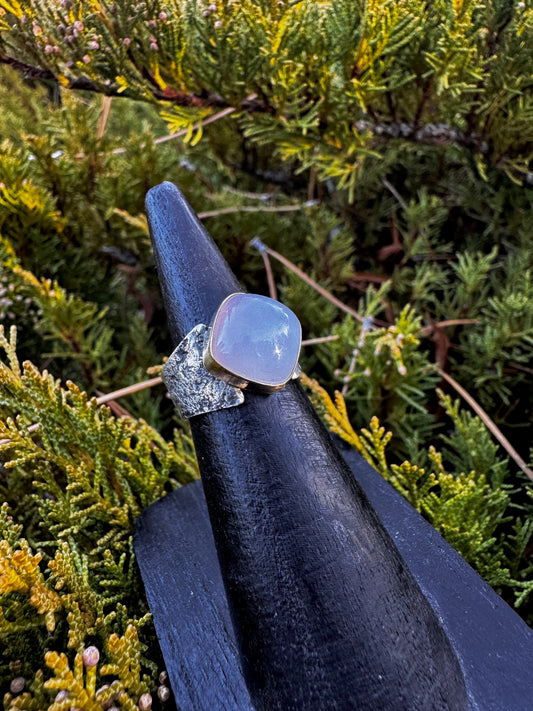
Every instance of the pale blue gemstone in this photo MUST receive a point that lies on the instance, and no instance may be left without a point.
(257, 339)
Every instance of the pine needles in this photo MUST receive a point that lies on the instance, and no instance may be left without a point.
(383, 150)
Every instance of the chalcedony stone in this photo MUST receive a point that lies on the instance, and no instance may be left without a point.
(256, 338)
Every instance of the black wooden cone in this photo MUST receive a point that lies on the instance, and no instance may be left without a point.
(326, 613)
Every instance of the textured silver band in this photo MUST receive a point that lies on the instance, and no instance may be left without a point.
(192, 388)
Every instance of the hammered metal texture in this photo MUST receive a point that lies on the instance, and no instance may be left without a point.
(193, 390)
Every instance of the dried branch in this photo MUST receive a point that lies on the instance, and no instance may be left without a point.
(261, 247)
(489, 424)
(104, 116)
(252, 208)
(270, 276)
(204, 99)
(321, 339)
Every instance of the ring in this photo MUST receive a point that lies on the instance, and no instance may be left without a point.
(252, 342)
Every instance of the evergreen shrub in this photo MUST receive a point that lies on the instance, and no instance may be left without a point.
(385, 148)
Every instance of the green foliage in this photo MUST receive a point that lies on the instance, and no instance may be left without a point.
(384, 148)
(468, 503)
(384, 373)
(75, 479)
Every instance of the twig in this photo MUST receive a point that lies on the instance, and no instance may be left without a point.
(321, 339)
(396, 194)
(177, 134)
(491, 426)
(104, 116)
(260, 246)
(351, 368)
(270, 276)
(427, 330)
(519, 366)
(264, 197)
(252, 208)
(129, 390)
(431, 134)
(268, 267)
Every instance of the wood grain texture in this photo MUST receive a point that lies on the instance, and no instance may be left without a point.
(326, 614)
(176, 552)
(177, 556)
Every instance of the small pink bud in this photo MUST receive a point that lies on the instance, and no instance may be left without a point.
(86, 58)
(163, 16)
(48, 49)
(212, 7)
(206, 13)
(94, 45)
(17, 685)
(164, 693)
(66, 4)
(152, 24)
(90, 657)
(218, 24)
(367, 372)
(145, 702)
(23, 19)
(126, 41)
(78, 25)
(153, 46)
(61, 696)
(402, 370)
(37, 30)
(153, 39)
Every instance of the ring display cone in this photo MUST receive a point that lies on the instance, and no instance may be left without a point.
(325, 611)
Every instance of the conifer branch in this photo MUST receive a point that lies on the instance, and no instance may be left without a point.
(204, 99)
(436, 134)
(491, 426)
(108, 397)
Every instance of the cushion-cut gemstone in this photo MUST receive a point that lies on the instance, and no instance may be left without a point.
(256, 338)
